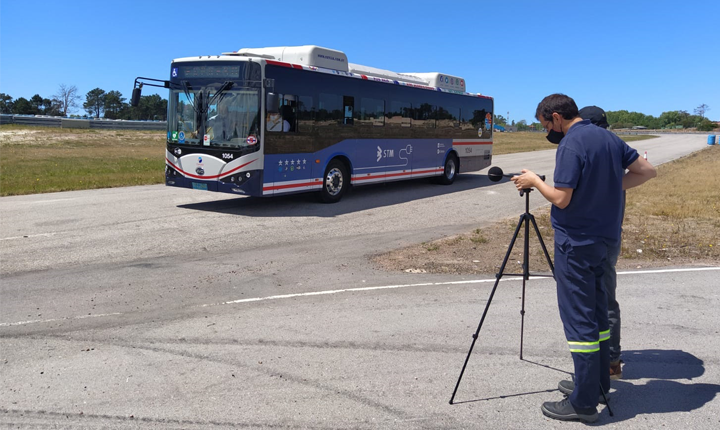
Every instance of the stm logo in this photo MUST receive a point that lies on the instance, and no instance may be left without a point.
(384, 153)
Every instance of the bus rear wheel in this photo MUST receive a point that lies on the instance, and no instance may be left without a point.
(451, 170)
(335, 182)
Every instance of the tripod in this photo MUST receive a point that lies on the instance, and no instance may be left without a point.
(525, 220)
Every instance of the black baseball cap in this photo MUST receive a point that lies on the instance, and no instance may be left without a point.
(595, 115)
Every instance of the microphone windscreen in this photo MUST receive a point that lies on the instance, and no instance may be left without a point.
(495, 174)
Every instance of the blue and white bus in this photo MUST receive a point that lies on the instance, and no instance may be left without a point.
(273, 121)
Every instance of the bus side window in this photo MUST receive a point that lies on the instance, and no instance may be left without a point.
(448, 117)
(348, 108)
(468, 120)
(274, 121)
(372, 112)
(288, 110)
(423, 115)
(305, 114)
(399, 114)
(329, 111)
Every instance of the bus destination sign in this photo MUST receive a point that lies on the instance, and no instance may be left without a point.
(207, 71)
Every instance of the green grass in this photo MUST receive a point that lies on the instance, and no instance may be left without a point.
(41, 160)
(49, 160)
(61, 170)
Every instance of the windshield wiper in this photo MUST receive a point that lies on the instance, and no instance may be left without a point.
(199, 106)
(226, 86)
(203, 107)
(186, 89)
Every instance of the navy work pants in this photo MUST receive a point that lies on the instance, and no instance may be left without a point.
(583, 305)
(610, 282)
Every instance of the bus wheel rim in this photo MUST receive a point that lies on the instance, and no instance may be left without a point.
(450, 171)
(334, 182)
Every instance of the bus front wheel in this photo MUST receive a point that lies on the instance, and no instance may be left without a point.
(451, 170)
(335, 182)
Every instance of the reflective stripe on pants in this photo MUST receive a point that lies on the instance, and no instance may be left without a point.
(582, 302)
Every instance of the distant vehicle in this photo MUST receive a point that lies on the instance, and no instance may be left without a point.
(271, 121)
(639, 127)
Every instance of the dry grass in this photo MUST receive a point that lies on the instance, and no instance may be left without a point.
(671, 220)
(677, 215)
(41, 136)
(510, 143)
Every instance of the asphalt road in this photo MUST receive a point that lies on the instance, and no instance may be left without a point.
(167, 308)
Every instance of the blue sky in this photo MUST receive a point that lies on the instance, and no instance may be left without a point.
(644, 56)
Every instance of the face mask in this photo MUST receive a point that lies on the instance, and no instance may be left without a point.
(555, 136)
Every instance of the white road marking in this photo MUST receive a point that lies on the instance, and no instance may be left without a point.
(29, 235)
(474, 281)
(81, 317)
(690, 269)
(54, 200)
(349, 290)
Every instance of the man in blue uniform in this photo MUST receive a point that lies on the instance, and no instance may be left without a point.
(586, 215)
(597, 116)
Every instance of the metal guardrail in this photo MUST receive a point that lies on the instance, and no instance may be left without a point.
(54, 121)
(60, 122)
(661, 131)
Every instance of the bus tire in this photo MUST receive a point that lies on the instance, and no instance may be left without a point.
(335, 182)
(451, 170)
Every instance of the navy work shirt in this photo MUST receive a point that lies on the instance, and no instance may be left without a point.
(591, 161)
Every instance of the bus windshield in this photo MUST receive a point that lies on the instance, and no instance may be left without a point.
(217, 114)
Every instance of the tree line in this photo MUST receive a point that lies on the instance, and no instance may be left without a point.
(97, 104)
(113, 105)
(679, 119)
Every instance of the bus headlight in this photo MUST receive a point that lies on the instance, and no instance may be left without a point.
(238, 178)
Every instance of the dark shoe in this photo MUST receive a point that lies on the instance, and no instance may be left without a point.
(615, 370)
(563, 410)
(566, 387)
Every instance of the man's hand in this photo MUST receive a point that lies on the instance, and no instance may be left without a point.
(528, 179)
(560, 197)
(639, 172)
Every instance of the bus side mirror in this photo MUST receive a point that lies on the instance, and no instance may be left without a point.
(135, 100)
(272, 103)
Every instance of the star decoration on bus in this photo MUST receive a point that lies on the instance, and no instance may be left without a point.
(292, 165)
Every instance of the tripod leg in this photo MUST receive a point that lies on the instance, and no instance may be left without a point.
(511, 246)
(522, 319)
(475, 336)
(526, 276)
(526, 268)
(542, 244)
(607, 402)
(487, 306)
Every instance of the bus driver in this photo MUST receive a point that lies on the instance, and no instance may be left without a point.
(275, 122)
(224, 125)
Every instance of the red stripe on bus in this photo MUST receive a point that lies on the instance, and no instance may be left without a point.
(278, 63)
(284, 187)
(395, 175)
(208, 177)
